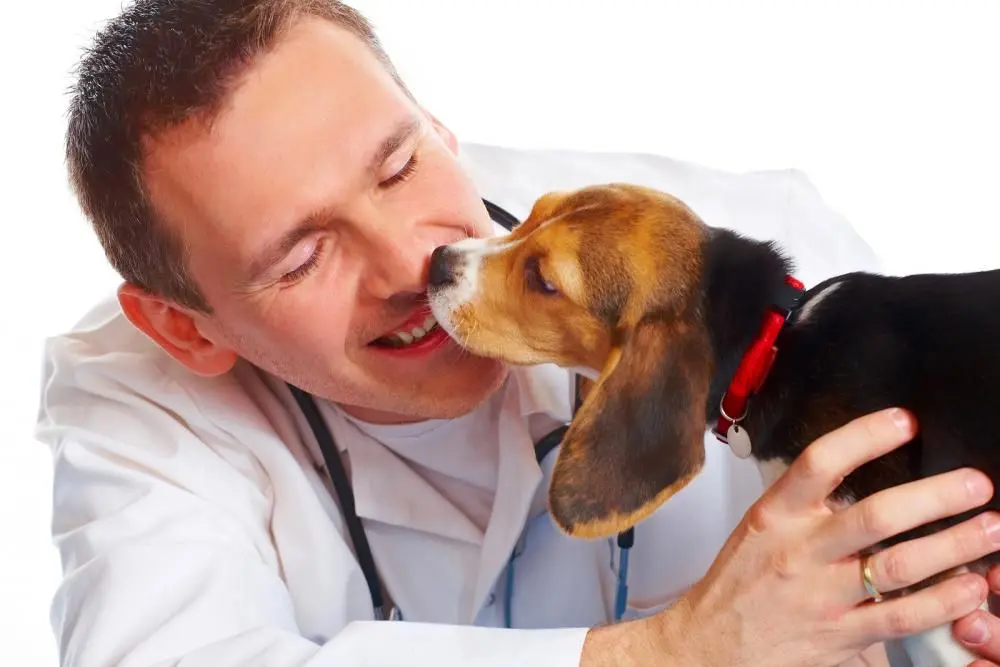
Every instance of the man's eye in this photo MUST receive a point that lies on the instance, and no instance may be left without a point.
(306, 267)
(403, 174)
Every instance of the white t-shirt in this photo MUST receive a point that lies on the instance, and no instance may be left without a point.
(457, 457)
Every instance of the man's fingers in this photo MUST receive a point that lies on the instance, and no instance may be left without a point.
(980, 633)
(823, 464)
(927, 608)
(901, 508)
(917, 560)
(993, 578)
(914, 561)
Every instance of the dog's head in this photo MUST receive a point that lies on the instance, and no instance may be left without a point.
(606, 279)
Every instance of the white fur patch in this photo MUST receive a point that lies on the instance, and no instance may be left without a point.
(812, 304)
(771, 470)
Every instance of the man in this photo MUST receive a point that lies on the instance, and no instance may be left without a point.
(270, 193)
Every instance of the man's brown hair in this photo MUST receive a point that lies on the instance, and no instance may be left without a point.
(157, 64)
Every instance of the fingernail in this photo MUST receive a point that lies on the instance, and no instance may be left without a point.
(977, 588)
(900, 419)
(978, 486)
(991, 523)
(976, 632)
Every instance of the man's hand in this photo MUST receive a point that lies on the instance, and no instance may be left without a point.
(980, 631)
(873, 656)
(786, 589)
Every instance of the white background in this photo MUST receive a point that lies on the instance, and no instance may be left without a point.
(891, 108)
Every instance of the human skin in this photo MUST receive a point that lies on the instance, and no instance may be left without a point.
(375, 226)
(786, 591)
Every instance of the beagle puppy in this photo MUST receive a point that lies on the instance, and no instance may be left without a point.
(682, 327)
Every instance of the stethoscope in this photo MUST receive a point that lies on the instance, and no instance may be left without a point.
(345, 496)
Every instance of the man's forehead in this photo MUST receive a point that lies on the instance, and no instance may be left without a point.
(276, 156)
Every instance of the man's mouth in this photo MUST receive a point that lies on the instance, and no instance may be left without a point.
(409, 334)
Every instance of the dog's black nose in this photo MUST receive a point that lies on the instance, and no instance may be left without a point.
(442, 270)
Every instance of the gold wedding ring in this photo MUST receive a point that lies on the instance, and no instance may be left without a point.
(866, 578)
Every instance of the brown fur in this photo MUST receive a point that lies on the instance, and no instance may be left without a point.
(625, 261)
(626, 452)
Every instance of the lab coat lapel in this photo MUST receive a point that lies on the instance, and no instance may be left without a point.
(425, 549)
(537, 389)
(552, 392)
(388, 491)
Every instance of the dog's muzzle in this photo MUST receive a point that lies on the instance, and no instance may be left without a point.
(444, 267)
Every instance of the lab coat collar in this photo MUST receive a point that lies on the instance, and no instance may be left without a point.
(388, 491)
(552, 392)
(535, 390)
(546, 389)
(519, 477)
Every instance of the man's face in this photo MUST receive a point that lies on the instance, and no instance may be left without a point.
(309, 211)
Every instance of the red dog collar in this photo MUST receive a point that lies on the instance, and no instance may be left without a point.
(757, 360)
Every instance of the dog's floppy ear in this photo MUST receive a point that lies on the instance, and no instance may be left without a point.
(545, 205)
(638, 438)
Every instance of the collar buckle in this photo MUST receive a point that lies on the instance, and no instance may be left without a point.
(758, 359)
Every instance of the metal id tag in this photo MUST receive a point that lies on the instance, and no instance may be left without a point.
(739, 441)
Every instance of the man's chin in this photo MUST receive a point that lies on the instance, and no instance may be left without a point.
(461, 393)
(489, 382)
(447, 396)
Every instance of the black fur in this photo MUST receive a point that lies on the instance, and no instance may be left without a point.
(927, 343)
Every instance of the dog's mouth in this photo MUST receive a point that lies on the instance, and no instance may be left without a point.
(411, 332)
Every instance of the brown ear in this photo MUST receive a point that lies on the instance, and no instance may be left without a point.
(639, 435)
(544, 207)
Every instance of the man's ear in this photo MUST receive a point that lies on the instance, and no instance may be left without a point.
(638, 438)
(175, 330)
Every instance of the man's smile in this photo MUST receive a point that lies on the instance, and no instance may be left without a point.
(419, 332)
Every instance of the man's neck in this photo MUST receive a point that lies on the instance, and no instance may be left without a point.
(378, 417)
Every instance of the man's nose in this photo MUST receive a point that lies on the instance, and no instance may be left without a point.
(397, 257)
(396, 268)
(444, 261)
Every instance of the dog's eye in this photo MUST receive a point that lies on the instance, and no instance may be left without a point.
(535, 280)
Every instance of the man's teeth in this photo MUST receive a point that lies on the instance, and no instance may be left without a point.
(416, 333)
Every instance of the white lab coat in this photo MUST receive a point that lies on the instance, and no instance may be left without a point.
(195, 528)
